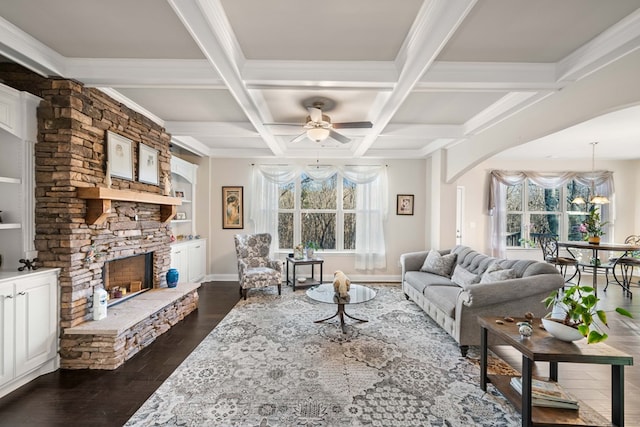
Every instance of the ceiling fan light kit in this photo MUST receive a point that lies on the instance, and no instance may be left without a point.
(318, 134)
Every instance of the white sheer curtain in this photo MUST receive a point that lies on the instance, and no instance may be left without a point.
(371, 204)
(500, 180)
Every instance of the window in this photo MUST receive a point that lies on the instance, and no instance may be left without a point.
(533, 211)
(320, 211)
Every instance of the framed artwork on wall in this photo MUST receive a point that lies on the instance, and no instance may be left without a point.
(147, 165)
(232, 207)
(404, 204)
(179, 193)
(119, 156)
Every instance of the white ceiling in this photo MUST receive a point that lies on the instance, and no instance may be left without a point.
(428, 73)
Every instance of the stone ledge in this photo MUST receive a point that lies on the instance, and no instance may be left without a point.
(127, 314)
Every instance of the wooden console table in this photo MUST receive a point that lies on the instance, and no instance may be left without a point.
(542, 347)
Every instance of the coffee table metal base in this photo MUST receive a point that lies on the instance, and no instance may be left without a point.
(341, 313)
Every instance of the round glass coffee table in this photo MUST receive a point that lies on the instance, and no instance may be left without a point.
(326, 294)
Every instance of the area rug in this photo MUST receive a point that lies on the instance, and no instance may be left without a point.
(268, 364)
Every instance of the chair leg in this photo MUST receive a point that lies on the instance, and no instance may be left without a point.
(279, 288)
(244, 294)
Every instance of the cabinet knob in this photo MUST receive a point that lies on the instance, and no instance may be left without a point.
(22, 293)
(8, 296)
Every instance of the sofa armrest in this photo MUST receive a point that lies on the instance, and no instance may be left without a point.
(412, 261)
(509, 290)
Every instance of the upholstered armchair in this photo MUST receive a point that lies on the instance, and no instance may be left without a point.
(255, 268)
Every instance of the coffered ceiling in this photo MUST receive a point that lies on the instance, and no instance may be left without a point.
(232, 78)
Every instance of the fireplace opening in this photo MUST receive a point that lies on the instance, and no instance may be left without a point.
(127, 277)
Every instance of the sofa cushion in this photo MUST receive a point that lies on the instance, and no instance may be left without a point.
(495, 273)
(442, 265)
(419, 280)
(443, 297)
(464, 277)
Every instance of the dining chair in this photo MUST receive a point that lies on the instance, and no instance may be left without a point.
(625, 265)
(255, 267)
(551, 254)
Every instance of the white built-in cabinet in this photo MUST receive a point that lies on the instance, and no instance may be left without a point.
(29, 336)
(188, 254)
(18, 133)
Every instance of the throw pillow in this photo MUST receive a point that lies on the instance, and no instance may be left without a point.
(439, 264)
(463, 277)
(495, 273)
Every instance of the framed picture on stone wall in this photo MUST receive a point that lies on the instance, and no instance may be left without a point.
(148, 165)
(119, 156)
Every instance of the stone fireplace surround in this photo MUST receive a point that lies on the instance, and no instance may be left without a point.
(71, 153)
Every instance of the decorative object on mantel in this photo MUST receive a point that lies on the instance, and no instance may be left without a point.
(120, 154)
(107, 178)
(166, 184)
(28, 264)
(577, 306)
(147, 164)
(99, 304)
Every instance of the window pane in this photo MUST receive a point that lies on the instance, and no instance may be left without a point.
(319, 228)
(576, 190)
(285, 230)
(543, 199)
(574, 222)
(319, 194)
(544, 224)
(348, 195)
(514, 197)
(514, 229)
(287, 197)
(349, 231)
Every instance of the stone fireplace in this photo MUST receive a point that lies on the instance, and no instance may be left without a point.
(73, 121)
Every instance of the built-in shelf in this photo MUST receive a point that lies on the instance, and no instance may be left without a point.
(8, 180)
(9, 225)
(184, 221)
(99, 202)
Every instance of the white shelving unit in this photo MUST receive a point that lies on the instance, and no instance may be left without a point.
(188, 256)
(18, 134)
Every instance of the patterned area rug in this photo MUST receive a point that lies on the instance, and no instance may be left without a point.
(268, 364)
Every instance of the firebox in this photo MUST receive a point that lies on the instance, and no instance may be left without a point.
(128, 277)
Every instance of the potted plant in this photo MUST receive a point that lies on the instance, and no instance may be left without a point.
(592, 226)
(311, 248)
(578, 306)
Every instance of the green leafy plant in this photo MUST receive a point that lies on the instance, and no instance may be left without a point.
(313, 245)
(579, 305)
(592, 225)
(527, 242)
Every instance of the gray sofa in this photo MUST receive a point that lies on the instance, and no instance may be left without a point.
(456, 307)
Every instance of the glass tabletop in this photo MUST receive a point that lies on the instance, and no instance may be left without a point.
(326, 293)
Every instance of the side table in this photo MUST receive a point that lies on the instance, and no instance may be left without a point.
(542, 347)
(304, 261)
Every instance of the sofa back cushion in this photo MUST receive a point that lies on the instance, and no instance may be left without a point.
(495, 273)
(442, 265)
(464, 277)
(478, 263)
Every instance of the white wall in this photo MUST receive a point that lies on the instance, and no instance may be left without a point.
(402, 233)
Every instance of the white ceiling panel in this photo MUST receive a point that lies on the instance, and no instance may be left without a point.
(444, 107)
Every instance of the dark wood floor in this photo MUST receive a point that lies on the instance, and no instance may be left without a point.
(109, 398)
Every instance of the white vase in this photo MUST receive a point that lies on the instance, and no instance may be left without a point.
(561, 331)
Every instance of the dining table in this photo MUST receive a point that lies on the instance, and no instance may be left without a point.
(626, 248)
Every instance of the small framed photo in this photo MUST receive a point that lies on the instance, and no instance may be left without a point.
(120, 156)
(232, 207)
(404, 204)
(147, 165)
(179, 193)
(181, 215)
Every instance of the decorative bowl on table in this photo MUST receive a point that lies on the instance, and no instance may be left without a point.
(302, 279)
(560, 330)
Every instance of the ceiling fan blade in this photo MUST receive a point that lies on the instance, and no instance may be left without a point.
(353, 125)
(315, 114)
(299, 138)
(338, 137)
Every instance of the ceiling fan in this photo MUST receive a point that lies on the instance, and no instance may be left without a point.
(318, 126)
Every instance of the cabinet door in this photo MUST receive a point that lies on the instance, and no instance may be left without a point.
(36, 324)
(197, 262)
(180, 261)
(6, 333)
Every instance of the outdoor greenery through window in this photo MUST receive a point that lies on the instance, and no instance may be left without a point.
(318, 211)
(533, 212)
